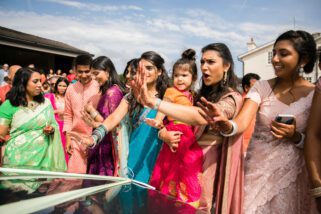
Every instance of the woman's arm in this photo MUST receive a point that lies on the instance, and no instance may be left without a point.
(185, 114)
(312, 146)
(114, 119)
(4, 130)
(218, 119)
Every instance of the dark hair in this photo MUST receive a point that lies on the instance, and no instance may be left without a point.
(188, 58)
(60, 79)
(319, 52)
(84, 59)
(18, 92)
(131, 65)
(104, 63)
(246, 80)
(214, 93)
(303, 42)
(162, 82)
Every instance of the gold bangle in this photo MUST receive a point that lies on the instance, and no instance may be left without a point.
(315, 192)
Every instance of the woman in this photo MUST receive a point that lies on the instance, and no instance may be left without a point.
(103, 159)
(143, 143)
(312, 146)
(34, 141)
(57, 99)
(275, 175)
(222, 165)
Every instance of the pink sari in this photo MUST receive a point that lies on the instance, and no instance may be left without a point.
(60, 122)
(223, 173)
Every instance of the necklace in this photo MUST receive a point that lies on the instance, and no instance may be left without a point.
(32, 105)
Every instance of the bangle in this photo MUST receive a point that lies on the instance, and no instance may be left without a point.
(158, 102)
(93, 114)
(315, 192)
(234, 129)
(98, 134)
(300, 144)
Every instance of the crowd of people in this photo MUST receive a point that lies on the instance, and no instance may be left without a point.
(216, 149)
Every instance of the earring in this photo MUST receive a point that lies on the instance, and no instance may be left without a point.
(224, 77)
(301, 70)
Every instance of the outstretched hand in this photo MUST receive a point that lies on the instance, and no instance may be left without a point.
(214, 116)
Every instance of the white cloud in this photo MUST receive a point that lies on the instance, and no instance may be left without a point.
(94, 7)
(127, 36)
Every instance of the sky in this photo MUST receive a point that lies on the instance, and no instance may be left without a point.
(124, 29)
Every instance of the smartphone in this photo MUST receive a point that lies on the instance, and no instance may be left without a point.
(285, 118)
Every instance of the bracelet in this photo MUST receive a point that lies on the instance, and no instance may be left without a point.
(98, 134)
(158, 102)
(93, 114)
(234, 129)
(315, 192)
(300, 144)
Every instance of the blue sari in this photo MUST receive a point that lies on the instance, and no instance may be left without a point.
(144, 147)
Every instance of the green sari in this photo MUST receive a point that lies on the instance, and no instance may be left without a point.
(28, 147)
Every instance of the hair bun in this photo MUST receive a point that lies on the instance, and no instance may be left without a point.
(189, 54)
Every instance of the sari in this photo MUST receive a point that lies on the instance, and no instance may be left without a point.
(28, 146)
(223, 166)
(103, 159)
(60, 121)
(144, 147)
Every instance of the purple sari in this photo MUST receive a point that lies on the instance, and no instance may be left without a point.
(101, 159)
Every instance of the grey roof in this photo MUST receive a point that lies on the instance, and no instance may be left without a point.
(17, 37)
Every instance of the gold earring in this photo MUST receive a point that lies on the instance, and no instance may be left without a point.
(224, 77)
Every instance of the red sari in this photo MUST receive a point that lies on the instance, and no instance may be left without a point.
(178, 173)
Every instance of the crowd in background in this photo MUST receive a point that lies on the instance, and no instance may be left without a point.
(216, 148)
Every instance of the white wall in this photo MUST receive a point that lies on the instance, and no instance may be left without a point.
(257, 62)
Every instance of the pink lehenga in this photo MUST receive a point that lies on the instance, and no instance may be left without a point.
(276, 180)
(178, 173)
(60, 121)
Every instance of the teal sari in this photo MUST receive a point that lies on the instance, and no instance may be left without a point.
(144, 147)
(28, 147)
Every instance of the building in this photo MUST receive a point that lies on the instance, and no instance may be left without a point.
(258, 60)
(24, 49)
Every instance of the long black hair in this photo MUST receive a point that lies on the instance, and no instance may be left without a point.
(162, 82)
(18, 93)
(60, 79)
(104, 63)
(213, 93)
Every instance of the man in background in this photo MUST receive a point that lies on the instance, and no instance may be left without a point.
(247, 82)
(5, 88)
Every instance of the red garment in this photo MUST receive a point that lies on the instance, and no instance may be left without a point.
(178, 173)
(3, 92)
(71, 77)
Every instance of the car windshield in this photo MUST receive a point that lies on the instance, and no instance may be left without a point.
(32, 191)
